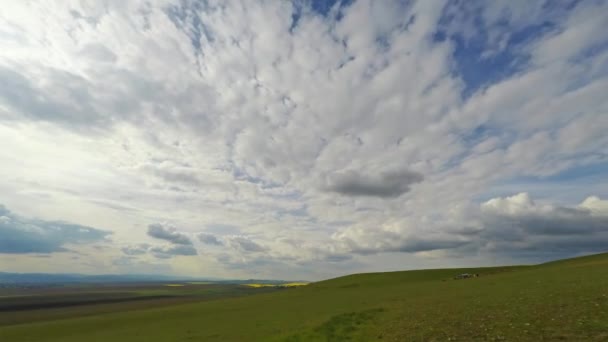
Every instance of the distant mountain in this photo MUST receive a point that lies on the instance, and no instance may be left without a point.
(72, 278)
(42, 278)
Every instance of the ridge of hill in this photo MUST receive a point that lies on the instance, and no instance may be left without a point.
(562, 300)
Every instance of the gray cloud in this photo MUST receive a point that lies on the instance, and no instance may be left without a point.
(218, 228)
(187, 178)
(518, 224)
(557, 221)
(160, 231)
(136, 249)
(244, 244)
(171, 171)
(209, 239)
(25, 235)
(515, 227)
(161, 252)
(386, 184)
(337, 257)
(22, 96)
(386, 241)
(171, 251)
(113, 206)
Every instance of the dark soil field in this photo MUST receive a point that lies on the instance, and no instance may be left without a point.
(28, 304)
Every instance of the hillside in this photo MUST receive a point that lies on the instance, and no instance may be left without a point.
(565, 300)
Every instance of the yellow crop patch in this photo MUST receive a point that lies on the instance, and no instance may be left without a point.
(276, 285)
(260, 285)
(294, 284)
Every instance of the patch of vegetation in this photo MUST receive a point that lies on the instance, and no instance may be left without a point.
(342, 327)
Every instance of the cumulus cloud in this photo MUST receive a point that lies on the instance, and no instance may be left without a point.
(515, 223)
(171, 251)
(396, 238)
(27, 235)
(595, 205)
(136, 249)
(132, 252)
(513, 205)
(244, 244)
(209, 239)
(386, 184)
(168, 233)
(514, 226)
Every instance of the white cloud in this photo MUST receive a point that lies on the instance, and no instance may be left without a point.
(513, 205)
(596, 205)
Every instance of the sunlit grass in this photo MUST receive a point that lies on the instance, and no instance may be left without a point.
(295, 284)
(174, 285)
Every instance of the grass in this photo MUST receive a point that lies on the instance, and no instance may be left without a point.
(560, 301)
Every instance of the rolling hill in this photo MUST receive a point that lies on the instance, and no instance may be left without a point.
(564, 300)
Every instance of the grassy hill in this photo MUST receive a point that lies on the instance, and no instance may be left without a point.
(565, 300)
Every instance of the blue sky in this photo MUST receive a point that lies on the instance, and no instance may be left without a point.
(305, 139)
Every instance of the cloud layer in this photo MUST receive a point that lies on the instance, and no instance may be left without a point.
(159, 231)
(302, 139)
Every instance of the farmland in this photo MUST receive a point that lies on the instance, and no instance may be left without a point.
(20, 305)
(564, 300)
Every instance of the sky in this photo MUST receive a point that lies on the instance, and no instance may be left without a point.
(300, 139)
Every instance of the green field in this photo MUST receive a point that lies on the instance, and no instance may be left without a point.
(559, 301)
